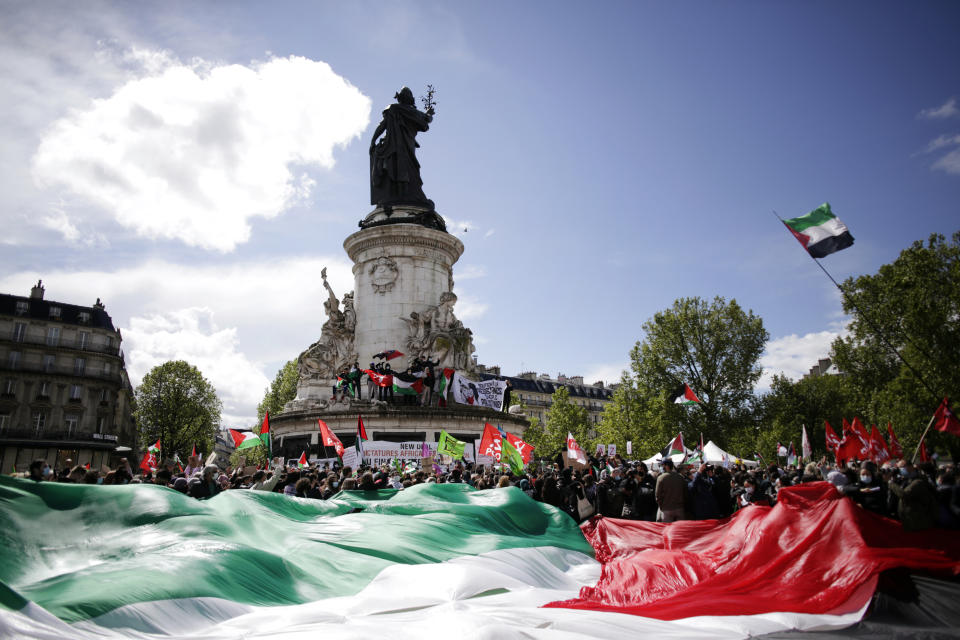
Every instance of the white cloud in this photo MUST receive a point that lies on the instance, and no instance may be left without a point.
(949, 163)
(469, 308)
(192, 334)
(610, 373)
(793, 355)
(947, 110)
(460, 228)
(941, 142)
(489, 233)
(469, 272)
(193, 151)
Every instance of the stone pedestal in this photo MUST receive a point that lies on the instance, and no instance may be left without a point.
(399, 269)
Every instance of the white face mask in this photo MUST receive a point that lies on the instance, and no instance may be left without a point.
(748, 491)
(865, 479)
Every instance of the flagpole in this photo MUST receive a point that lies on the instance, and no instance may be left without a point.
(919, 444)
(867, 319)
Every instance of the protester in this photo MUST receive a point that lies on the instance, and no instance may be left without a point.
(670, 493)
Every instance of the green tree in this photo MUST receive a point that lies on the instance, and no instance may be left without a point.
(282, 390)
(715, 348)
(563, 417)
(790, 405)
(251, 457)
(177, 406)
(913, 305)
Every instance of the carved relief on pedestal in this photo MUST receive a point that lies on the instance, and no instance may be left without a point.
(436, 335)
(383, 274)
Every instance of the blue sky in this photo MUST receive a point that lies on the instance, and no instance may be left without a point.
(196, 164)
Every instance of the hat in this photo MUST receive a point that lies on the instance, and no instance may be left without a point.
(837, 479)
(180, 484)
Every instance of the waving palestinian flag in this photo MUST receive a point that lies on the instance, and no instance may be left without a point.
(432, 558)
(820, 232)
(684, 395)
(245, 439)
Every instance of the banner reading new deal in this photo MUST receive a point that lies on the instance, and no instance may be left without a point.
(487, 393)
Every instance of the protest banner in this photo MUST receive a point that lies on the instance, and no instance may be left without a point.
(486, 393)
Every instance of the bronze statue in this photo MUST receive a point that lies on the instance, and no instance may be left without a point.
(394, 170)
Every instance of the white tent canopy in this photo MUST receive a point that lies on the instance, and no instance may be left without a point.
(712, 454)
(715, 455)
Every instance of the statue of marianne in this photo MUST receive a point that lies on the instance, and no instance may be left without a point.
(394, 170)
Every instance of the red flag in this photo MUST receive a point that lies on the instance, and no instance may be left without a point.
(87, 466)
(265, 427)
(860, 430)
(857, 433)
(361, 432)
(490, 443)
(381, 379)
(945, 420)
(924, 456)
(574, 452)
(896, 451)
(193, 454)
(525, 449)
(833, 441)
(149, 462)
(302, 462)
(878, 447)
(329, 439)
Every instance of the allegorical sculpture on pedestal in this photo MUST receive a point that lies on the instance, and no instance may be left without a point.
(334, 351)
(435, 335)
(395, 183)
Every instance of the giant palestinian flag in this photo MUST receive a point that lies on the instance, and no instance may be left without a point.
(820, 232)
(146, 562)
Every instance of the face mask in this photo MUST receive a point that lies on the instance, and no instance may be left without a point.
(865, 479)
(903, 471)
(47, 472)
(748, 491)
(335, 484)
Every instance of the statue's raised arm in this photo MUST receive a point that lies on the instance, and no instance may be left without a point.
(394, 169)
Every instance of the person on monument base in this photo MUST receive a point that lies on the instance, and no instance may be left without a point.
(394, 170)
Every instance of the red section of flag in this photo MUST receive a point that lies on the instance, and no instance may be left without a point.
(194, 452)
(924, 456)
(945, 420)
(833, 441)
(361, 431)
(878, 447)
(237, 437)
(265, 427)
(329, 439)
(302, 462)
(674, 571)
(491, 443)
(802, 238)
(149, 462)
(895, 449)
(525, 449)
(574, 452)
(381, 379)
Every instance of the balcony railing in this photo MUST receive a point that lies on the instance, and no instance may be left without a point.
(61, 343)
(32, 433)
(62, 370)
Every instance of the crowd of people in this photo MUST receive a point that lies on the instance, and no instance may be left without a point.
(920, 497)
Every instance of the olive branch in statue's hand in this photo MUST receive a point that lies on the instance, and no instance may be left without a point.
(429, 104)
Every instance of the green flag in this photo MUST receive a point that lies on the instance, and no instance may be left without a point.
(450, 446)
(511, 456)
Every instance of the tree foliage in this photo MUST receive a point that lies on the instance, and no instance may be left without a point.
(179, 407)
(563, 417)
(913, 305)
(714, 347)
(282, 390)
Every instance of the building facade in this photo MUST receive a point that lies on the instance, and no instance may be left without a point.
(64, 391)
(535, 393)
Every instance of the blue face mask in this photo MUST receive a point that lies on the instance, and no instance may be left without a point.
(903, 472)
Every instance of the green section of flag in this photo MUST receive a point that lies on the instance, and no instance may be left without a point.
(815, 218)
(510, 455)
(123, 544)
(450, 446)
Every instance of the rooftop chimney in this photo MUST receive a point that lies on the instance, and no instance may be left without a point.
(37, 291)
